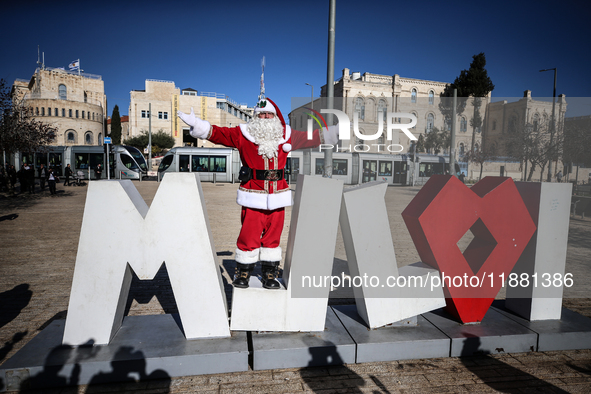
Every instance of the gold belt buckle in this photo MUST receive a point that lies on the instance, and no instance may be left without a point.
(272, 175)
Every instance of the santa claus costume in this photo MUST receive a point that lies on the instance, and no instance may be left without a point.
(263, 144)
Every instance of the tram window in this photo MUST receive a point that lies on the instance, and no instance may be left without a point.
(200, 163)
(428, 169)
(55, 161)
(128, 162)
(96, 159)
(385, 168)
(217, 163)
(319, 166)
(339, 166)
(81, 161)
(184, 163)
(165, 163)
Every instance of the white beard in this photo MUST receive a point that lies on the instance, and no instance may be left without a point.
(267, 133)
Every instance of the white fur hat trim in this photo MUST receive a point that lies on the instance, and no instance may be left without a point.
(287, 147)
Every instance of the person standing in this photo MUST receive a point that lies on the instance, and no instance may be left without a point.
(23, 178)
(68, 174)
(51, 180)
(42, 176)
(462, 177)
(559, 176)
(98, 171)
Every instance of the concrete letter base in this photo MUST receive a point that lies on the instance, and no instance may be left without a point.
(572, 331)
(145, 347)
(496, 333)
(402, 342)
(333, 346)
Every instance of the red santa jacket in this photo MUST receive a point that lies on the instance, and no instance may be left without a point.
(263, 194)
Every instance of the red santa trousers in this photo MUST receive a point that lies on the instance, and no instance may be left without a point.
(260, 228)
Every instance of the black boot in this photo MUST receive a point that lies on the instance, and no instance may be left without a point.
(269, 274)
(242, 275)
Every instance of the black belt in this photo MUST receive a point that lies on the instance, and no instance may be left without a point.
(247, 174)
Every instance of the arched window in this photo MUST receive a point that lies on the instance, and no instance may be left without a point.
(463, 125)
(63, 92)
(413, 95)
(88, 138)
(71, 137)
(447, 125)
(100, 138)
(85, 97)
(462, 149)
(430, 121)
(431, 97)
(536, 121)
(416, 116)
(360, 108)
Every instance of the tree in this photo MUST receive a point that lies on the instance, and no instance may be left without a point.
(474, 82)
(437, 140)
(19, 130)
(160, 140)
(479, 156)
(116, 126)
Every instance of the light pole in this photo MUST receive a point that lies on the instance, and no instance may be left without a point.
(552, 126)
(311, 96)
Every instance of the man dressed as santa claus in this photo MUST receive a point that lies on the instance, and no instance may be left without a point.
(263, 143)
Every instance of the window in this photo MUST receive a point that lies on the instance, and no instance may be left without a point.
(464, 125)
(37, 111)
(42, 111)
(536, 121)
(476, 147)
(413, 95)
(383, 110)
(447, 125)
(431, 97)
(144, 113)
(83, 114)
(48, 111)
(71, 137)
(70, 113)
(319, 166)
(63, 112)
(160, 115)
(220, 105)
(217, 164)
(93, 116)
(339, 166)
(76, 114)
(165, 114)
(494, 125)
(199, 163)
(428, 169)
(360, 108)
(462, 149)
(63, 92)
(430, 121)
(128, 162)
(165, 163)
(88, 138)
(56, 112)
(81, 161)
(385, 168)
(85, 97)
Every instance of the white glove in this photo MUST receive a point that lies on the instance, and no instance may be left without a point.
(199, 128)
(331, 135)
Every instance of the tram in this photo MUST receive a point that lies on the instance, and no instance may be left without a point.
(125, 162)
(212, 164)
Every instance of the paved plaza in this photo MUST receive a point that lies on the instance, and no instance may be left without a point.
(38, 251)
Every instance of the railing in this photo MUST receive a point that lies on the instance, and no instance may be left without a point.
(82, 74)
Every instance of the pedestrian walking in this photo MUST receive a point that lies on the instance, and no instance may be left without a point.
(68, 174)
(51, 181)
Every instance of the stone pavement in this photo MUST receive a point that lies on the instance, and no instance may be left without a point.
(38, 251)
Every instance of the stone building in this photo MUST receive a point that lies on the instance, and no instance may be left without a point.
(73, 103)
(156, 107)
(372, 96)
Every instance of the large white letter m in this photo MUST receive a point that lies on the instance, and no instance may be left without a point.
(120, 234)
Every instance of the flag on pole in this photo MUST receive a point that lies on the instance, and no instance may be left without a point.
(75, 65)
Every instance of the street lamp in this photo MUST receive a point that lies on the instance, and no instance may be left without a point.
(311, 96)
(552, 126)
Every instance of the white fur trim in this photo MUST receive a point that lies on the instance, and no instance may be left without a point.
(263, 200)
(271, 254)
(267, 108)
(279, 200)
(247, 257)
(287, 135)
(287, 147)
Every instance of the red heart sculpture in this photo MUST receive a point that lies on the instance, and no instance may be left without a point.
(439, 216)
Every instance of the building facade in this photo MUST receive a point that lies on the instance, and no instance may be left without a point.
(156, 107)
(371, 96)
(73, 103)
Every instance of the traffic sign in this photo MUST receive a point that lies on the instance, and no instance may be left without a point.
(107, 140)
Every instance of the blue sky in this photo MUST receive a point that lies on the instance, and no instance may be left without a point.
(217, 46)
